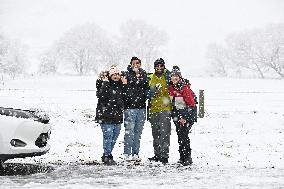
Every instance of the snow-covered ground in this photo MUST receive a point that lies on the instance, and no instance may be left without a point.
(239, 143)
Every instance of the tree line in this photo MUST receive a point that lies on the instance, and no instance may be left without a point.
(257, 52)
(87, 48)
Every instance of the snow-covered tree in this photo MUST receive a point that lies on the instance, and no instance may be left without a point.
(260, 51)
(273, 48)
(49, 61)
(13, 56)
(143, 40)
(218, 60)
(245, 52)
(85, 47)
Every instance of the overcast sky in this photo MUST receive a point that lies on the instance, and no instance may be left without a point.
(191, 24)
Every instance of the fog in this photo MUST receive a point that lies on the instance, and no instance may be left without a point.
(191, 25)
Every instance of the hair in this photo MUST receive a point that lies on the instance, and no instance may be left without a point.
(113, 69)
(135, 58)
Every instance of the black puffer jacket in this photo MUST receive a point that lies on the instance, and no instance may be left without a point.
(110, 102)
(136, 89)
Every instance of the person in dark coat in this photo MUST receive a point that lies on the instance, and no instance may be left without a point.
(135, 108)
(109, 112)
(183, 113)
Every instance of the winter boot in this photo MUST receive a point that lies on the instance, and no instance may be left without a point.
(187, 162)
(164, 160)
(108, 160)
(181, 159)
(111, 161)
(187, 158)
(105, 158)
(154, 158)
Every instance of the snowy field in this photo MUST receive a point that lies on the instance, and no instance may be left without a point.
(239, 143)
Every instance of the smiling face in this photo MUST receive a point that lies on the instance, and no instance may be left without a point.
(175, 79)
(135, 64)
(159, 68)
(115, 77)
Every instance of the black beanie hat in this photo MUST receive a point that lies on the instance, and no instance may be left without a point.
(176, 71)
(134, 58)
(159, 61)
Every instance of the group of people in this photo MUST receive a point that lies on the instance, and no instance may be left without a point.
(122, 98)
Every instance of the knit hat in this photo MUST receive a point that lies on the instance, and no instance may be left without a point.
(134, 58)
(159, 61)
(176, 71)
(113, 70)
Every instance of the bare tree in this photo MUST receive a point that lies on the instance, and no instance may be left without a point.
(85, 47)
(13, 57)
(244, 52)
(218, 59)
(49, 61)
(273, 48)
(142, 40)
(260, 51)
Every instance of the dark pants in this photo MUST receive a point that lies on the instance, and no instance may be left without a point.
(182, 132)
(183, 141)
(161, 132)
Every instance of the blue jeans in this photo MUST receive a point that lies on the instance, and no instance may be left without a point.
(110, 135)
(134, 120)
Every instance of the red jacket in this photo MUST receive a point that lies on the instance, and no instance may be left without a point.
(181, 95)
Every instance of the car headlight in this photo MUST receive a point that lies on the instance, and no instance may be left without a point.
(17, 143)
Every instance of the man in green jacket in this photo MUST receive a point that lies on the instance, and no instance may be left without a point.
(160, 111)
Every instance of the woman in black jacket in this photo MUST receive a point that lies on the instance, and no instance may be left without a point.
(109, 112)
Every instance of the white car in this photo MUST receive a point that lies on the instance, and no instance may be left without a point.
(23, 133)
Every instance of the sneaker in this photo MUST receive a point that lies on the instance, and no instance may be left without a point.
(136, 158)
(127, 157)
(155, 158)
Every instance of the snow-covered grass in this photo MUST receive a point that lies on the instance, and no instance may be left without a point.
(239, 142)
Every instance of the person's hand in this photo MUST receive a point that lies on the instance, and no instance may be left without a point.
(182, 121)
(138, 75)
(103, 76)
(124, 80)
(136, 70)
(158, 89)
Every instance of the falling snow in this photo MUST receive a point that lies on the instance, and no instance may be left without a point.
(239, 143)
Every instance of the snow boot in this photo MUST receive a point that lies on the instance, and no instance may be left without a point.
(187, 162)
(108, 160)
(154, 158)
(181, 158)
(164, 160)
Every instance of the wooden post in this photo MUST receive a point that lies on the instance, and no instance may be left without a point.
(201, 104)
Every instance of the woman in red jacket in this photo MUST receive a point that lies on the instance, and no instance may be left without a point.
(183, 113)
